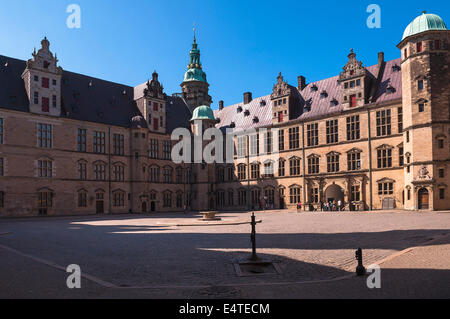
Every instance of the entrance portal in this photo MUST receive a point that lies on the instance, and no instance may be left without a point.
(144, 207)
(424, 199)
(334, 193)
(152, 207)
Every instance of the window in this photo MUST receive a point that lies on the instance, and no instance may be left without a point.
(294, 138)
(255, 170)
(386, 188)
(230, 198)
(2, 169)
(437, 45)
(295, 195)
(167, 199)
(242, 197)
(384, 157)
(99, 142)
(36, 78)
(167, 175)
(421, 107)
(118, 171)
(354, 161)
(167, 150)
(230, 173)
(441, 143)
(54, 82)
(99, 171)
(312, 134)
(405, 53)
(313, 165)
(420, 85)
(419, 47)
(314, 198)
(441, 173)
(268, 169)
(353, 100)
(179, 200)
(82, 174)
(294, 166)
(2, 199)
(119, 199)
(242, 172)
(400, 119)
(401, 156)
(281, 140)
(36, 97)
(44, 135)
(384, 123)
(332, 132)
(267, 142)
(153, 149)
(45, 104)
(81, 140)
(254, 145)
(269, 195)
(82, 199)
(281, 168)
(355, 195)
(241, 146)
(118, 144)
(45, 168)
(45, 199)
(45, 83)
(442, 193)
(333, 162)
(1, 131)
(179, 175)
(154, 174)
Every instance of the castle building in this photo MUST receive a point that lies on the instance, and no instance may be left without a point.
(375, 137)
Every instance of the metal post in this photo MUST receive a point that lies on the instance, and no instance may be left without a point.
(360, 270)
(253, 257)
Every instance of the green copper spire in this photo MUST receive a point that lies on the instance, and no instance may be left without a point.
(195, 72)
(424, 22)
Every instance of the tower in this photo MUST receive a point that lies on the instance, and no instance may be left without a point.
(426, 111)
(284, 101)
(42, 78)
(195, 86)
(154, 106)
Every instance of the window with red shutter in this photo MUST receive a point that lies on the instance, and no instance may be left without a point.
(45, 83)
(353, 101)
(155, 106)
(155, 124)
(437, 44)
(419, 47)
(406, 53)
(280, 117)
(45, 104)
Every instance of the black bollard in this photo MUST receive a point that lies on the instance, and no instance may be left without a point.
(253, 257)
(360, 270)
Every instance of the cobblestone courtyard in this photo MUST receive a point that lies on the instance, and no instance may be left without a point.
(178, 256)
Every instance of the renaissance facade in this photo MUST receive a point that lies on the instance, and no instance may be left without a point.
(376, 137)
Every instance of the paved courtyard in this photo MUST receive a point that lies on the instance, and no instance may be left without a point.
(174, 255)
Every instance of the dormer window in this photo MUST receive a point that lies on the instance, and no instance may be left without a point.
(334, 102)
(247, 113)
(218, 120)
(314, 88)
(324, 94)
(390, 89)
(255, 120)
(239, 109)
(396, 68)
(262, 103)
(46, 64)
(232, 125)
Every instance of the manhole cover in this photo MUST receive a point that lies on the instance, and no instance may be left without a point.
(221, 292)
(256, 269)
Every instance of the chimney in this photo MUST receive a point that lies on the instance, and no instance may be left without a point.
(301, 82)
(380, 58)
(247, 97)
(221, 105)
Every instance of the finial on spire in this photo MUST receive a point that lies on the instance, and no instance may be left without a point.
(424, 11)
(194, 34)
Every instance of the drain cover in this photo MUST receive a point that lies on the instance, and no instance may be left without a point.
(256, 269)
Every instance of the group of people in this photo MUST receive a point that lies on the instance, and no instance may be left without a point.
(333, 206)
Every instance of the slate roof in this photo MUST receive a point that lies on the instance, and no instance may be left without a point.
(318, 106)
(86, 98)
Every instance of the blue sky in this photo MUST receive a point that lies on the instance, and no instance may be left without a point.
(244, 44)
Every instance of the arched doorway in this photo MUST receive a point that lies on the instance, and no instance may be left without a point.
(424, 199)
(334, 193)
(144, 207)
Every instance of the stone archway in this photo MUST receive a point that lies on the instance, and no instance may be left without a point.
(334, 193)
